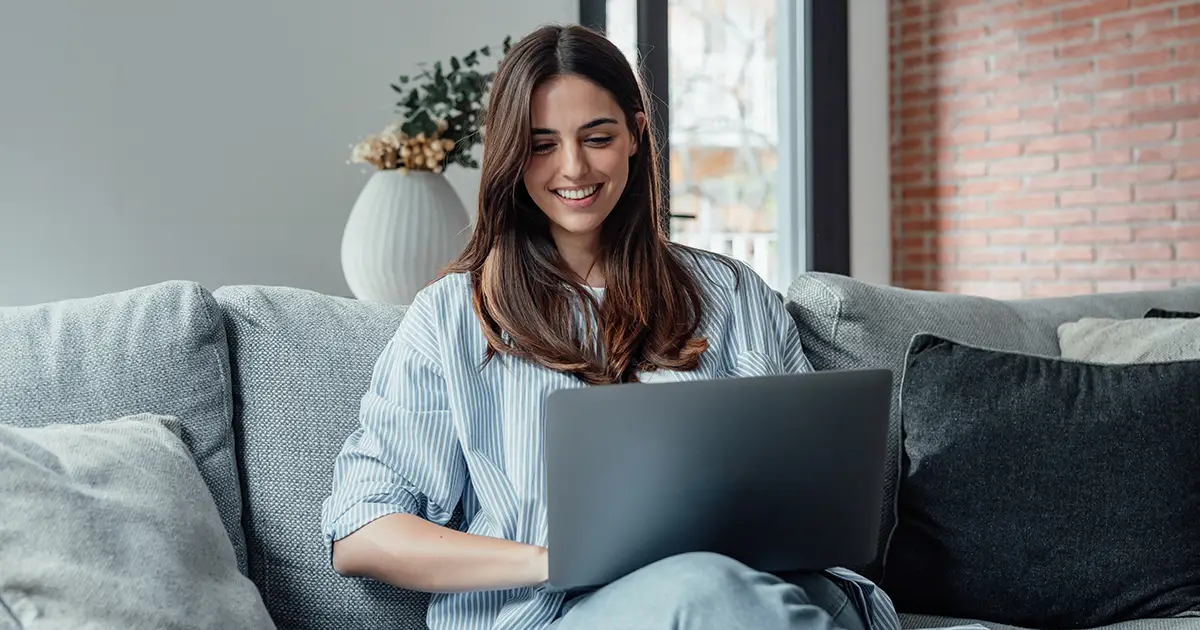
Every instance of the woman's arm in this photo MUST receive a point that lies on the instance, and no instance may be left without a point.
(402, 473)
(409, 552)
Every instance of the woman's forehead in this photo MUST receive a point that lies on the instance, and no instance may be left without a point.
(568, 103)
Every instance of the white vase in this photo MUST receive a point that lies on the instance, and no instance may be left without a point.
(403, 229)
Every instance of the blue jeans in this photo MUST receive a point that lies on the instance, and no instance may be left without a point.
(699, 591)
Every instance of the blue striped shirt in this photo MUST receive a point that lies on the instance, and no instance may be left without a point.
(437, 430)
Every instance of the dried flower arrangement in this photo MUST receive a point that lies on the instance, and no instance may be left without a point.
(442, 117)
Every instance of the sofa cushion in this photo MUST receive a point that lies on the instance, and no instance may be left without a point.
(109, 524)
(301, 364)
(158, 349)
(1046, 492)
(931, 622)
(846, 323)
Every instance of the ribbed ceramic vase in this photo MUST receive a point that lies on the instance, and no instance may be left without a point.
(403, 228)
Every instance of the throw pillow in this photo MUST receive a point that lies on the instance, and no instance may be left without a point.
(846, 323)
(1046, 493)
(110, 525)
(1119, 341)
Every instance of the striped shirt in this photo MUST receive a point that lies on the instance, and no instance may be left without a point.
(437, 430)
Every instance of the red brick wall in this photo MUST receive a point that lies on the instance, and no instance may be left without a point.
(1045, 147)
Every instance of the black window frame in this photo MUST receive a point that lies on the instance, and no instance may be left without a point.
(826, 113)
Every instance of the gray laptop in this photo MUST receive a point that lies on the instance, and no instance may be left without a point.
(782, 473)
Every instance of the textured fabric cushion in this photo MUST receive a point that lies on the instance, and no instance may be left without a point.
(109, 525)
(846, 323)
(158, 349)
(301, 363)
(920, 622)
(1043, 492)
(1149, 340)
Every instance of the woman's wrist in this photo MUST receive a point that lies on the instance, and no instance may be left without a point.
(538, 566)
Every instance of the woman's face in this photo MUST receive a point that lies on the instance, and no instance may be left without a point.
(579, 162)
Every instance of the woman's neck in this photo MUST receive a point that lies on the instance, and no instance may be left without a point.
(581, 252)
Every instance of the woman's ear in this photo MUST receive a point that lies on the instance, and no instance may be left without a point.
(640, 117)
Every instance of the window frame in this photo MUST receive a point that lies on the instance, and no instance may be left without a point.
(814, 119)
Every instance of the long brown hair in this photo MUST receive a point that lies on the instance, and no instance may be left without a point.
(524, 294)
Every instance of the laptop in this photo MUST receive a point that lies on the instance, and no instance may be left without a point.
(783, 473)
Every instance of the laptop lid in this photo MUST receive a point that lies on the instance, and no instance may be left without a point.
(781, 473)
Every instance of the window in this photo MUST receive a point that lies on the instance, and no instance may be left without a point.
(724, 132)
(740, 133)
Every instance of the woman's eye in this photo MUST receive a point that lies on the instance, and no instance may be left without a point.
(542, 148)
(599, 142)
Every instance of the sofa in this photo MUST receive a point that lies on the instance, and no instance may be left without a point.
(261, 384)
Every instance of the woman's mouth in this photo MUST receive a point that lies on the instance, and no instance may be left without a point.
(578, 197)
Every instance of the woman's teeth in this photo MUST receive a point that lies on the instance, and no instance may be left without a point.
(576, 193)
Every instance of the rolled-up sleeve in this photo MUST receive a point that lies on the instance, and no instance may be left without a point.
(766, 337)
(405, 456)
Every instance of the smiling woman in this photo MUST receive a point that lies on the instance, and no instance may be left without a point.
(569, 280)
(577, 175)
(570, 199)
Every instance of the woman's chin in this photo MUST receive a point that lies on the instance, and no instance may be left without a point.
(577, 227)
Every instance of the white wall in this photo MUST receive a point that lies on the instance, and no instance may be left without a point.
(870, 172)
(142, 141)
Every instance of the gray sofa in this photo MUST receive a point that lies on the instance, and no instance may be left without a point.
(265, 382)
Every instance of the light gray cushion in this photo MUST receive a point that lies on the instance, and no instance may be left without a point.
(302, 362)
(846, 323)
(158, 349)
(920, 622)
(1107, 340)
(109, 525)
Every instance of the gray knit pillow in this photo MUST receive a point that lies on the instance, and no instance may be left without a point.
(109, 524)
(1117, 341)
(159, 348)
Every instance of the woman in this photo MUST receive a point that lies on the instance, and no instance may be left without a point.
(567, 282)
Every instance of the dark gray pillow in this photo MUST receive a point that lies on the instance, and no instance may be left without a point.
(1161, 313)
(1043, 492)
(846, 323)
(110, 525)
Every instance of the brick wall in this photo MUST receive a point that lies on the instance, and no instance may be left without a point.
(1045, 147)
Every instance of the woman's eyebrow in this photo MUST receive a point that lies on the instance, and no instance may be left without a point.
(542, 131)
(600, 121)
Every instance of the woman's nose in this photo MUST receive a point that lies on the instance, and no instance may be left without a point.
(574, 163)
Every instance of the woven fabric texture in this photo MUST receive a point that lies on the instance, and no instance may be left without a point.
(1149, 340)
(1045, 492)
(921, 622)
(847, 324)
(157, 349)
(301, 364)
(109, 525)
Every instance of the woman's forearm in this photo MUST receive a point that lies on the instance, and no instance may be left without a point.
(409, 552)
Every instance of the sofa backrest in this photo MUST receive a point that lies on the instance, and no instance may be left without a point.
(157, 349)
(301, 364)
(849, 324)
